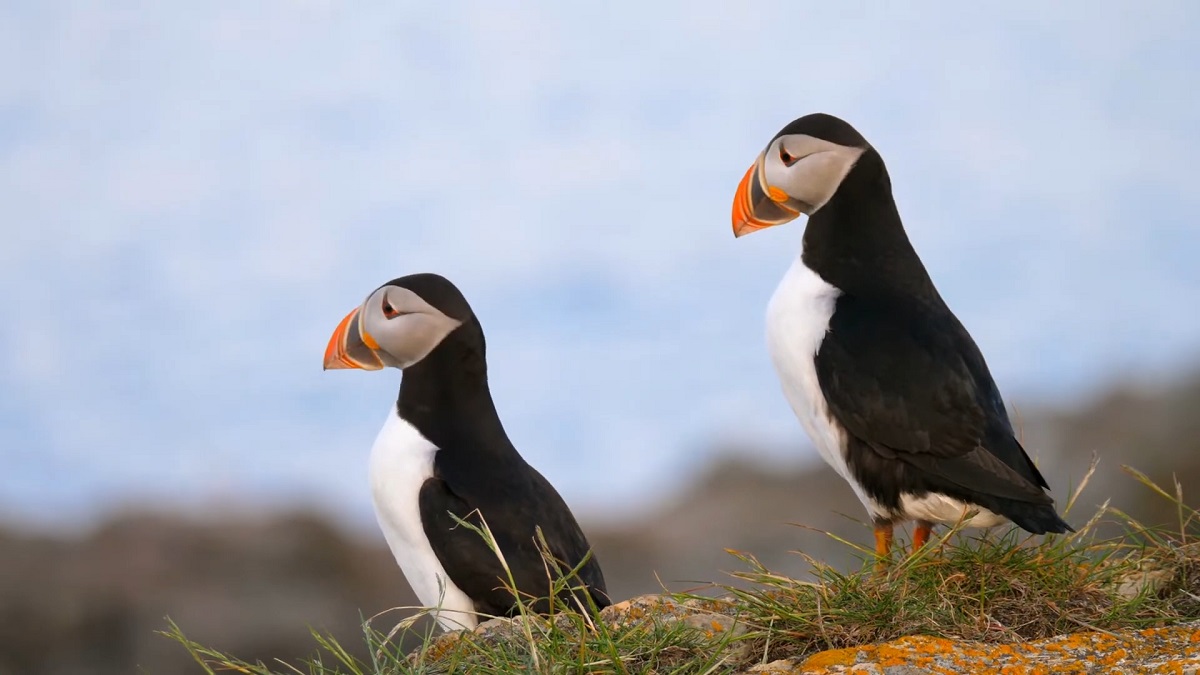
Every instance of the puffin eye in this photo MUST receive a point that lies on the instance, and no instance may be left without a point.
(786, 157)
(389, 311)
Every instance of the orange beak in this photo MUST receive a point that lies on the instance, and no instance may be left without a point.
(351, 346)
(756, 207)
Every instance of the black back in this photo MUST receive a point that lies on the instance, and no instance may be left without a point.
(478, 471)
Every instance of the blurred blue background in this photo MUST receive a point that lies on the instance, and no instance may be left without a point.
(195, 195)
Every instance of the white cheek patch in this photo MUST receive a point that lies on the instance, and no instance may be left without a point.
(814, 178)
(409, 337)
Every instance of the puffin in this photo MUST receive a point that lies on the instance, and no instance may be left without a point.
(443, 454)
(887, 383)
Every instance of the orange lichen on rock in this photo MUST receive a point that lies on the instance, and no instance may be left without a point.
(835, 657)
(1159, 650)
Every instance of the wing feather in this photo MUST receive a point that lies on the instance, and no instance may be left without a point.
(909, 381)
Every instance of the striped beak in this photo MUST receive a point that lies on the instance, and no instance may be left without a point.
(351, 346)
(757, 206)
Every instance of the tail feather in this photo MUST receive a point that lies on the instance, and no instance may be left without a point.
(1036, 519)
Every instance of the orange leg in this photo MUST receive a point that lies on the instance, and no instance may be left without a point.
(883, 544)
(921, 534)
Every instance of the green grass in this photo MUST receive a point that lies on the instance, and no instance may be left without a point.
(996, 587)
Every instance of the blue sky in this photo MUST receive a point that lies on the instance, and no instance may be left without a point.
(195, 195)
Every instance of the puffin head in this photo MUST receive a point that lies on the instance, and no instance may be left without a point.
(399, 324)
(799, 172)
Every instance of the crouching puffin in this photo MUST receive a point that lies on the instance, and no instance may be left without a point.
(443, 451)
(887, 383)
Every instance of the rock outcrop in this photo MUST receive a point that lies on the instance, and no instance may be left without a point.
(1175, 649)
(1172, 649)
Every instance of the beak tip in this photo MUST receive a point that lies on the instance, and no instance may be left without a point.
(743, 214)
(742, 227)
(338, 363)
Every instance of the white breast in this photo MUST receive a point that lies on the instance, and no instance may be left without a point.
(401, 461)
(797, 320)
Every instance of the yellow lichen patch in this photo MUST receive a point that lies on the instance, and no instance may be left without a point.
(1079, 653)
(833, 657)
(710, 605)
(440, 647)
(914, 650)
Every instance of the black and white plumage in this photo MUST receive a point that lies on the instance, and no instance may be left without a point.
(886, 381)
(443, 450)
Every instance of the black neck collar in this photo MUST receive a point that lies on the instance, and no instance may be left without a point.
(446, 395)
(856, 242)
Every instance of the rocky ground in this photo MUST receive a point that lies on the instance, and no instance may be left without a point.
(1174, 649)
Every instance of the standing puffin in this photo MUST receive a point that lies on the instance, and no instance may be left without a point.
(443, 450)
(887, 383)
